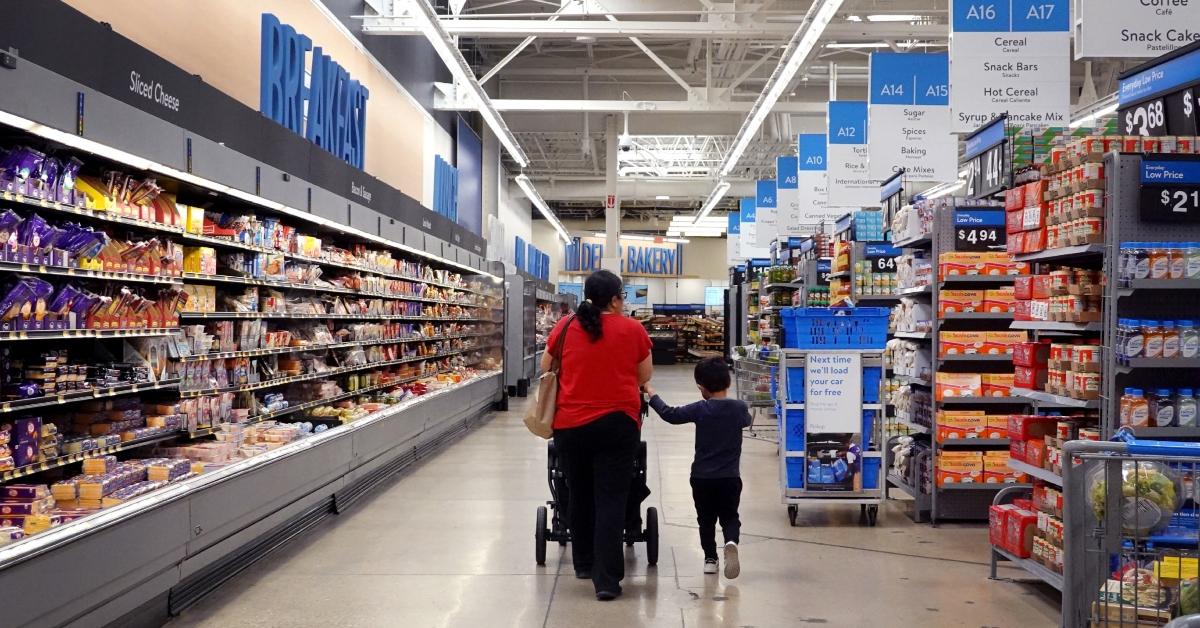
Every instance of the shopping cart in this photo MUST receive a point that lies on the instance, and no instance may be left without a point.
(754, 380)
(553, 520)
(1131, 543)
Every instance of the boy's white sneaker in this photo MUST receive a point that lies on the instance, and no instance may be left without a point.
(732, 566)
(710, 565)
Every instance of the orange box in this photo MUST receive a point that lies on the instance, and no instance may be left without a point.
(1001, 342)
(996, 469)
(959, 301)
(999, 300)
(961, 342)
(955, 425)
(997, 426)
(959, 467)
(996, 384)
(956, 263)
(957, 385)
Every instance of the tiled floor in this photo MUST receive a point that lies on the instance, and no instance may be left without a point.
(451, 544)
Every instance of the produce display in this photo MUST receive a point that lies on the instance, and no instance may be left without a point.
(1150, 496)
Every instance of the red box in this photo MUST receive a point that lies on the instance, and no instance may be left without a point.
(1019, 528)
(1033, 217)
(1024, 504)
(1031, 426)
(1015, 243)
(1031, 354)
(1016, 450)
(998, 524)
(1013, 220)
(1021, 311)
(1035, 192)
(1014, 198)
(1035, 452)
(1023, 285)
(1031, 377)
(1039, 287)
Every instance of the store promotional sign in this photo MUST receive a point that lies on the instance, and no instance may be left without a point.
(766, 217)
(850, 183)
(812, 178)
(833, 393)
(331, 111)
(733, 238)
(1161, 99)
(909, 107)
(979, 230)
(1170, 191)
(1010, 56)
(638, 257)
(787, 194)
(1141, 28)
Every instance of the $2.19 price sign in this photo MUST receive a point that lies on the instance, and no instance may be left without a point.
(1170, 190)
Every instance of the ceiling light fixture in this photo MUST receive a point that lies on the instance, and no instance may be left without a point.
(718, 193)
(536, 199)
(895, 17)
(662, 197)
(643, 238)
(1103, 110)
(429, 23)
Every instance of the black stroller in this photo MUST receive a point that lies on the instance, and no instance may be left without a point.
(559, 528)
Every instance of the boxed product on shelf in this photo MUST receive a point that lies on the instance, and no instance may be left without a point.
(998, 524)
(961, 342)
(1031, 354)
(998, 300)
(913, 221)
(959, 301)
(1020, 528)
(957, 385)
(959, 467)
(913, 315)
(991, 264)
(913, 271)
(1001, 342)
(997, 471)
(1030, 377)
(960, 424)
(996, 384)
(910, 359)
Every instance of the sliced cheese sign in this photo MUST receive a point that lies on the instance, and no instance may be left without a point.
(1010, 56)
(910, 117)
(850, 183)
(787, 195)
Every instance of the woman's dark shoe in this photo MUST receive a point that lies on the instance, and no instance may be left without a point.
(583, 574)
(606, 596)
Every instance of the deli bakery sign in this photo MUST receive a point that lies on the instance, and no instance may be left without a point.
(638, 257)
(329, 111)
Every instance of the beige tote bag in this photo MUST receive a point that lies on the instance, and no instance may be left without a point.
(539, 418)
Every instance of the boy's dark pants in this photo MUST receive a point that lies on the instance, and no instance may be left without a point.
(717, 499)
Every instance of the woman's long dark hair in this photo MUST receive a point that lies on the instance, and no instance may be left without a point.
(599, 290)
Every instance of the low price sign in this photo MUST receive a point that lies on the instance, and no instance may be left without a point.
(1170, 191)
(1161, 100)
(979, 230)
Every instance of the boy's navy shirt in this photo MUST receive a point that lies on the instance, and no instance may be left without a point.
(719, 424)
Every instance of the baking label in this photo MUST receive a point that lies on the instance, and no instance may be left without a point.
(910, 117)
(850, 183)
(1134, 28)
(733, 237)
(833, 393)
(767, 214)
(787, 195)
(812, 179)
(1010, 56)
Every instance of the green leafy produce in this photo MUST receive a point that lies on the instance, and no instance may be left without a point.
(1149, 496)
(1189, 597)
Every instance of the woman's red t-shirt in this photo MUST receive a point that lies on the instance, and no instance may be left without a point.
(599, 378)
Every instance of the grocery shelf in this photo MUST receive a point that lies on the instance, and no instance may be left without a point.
(252, 353)
(1037, 472)
(1062, 253)
(282, 381)
(899, 483)
(909, 379)
(231, 244)
(1056, 326)
(21, 405)
(979, 486)
(975, 357)
(1158, 284)
(993, 279)
(1052, 578)
(1047, 399)
(284, 315)
(89, 333)
(70, 271)
(845, 274)
(904, 420)
(284, 285)
(985, 401)
(1182, 431)
(61, 461)
(905, 292)
(913, 335)
(910, 243)
(876, 297)
(955, 443)
(88, 213)
(977, 316)
(783, 286)
(1157, 363)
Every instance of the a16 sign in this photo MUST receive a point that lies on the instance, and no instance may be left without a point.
(987, 172)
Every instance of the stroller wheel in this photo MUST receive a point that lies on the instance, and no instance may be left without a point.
(652, 536)
(539, 537)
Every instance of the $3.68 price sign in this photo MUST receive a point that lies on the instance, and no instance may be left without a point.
(1148, 119)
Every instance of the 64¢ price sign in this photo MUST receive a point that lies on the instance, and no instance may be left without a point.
(882, 257)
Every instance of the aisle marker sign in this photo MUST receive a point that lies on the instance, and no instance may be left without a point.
(733, 235)
(812, 178)
(748, 247)
(1010, 56)
(910, 117)
(787, 195)
(767, 214)
(850, 183)
(833, 393)
(1146, 28)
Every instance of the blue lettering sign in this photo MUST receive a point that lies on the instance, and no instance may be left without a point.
(848, 122)
(812, 151)
(748, 210)
(766, 194)
(336, 105)
(735, 223)
(1010, 16)
(1162, 78)
(1182, 172)
(786, 170)
(979, 218)
(984, 139)
(909, 78)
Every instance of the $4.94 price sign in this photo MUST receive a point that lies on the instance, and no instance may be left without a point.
(1170, 191)
(979, 230)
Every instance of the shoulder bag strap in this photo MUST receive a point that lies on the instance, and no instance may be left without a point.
(556, 355)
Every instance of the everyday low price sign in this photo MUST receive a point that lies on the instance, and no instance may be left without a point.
(910, 117)
(1010, 56)
(833, 393)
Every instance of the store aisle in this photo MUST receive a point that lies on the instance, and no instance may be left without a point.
(451, 544)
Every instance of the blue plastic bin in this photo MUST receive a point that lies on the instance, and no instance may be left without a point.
(795, 384)
(870, 471)
(795, 472)
(793, 430)
(835, 328)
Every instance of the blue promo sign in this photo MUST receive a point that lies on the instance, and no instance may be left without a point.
(1164, 77)
(1179, 172)
(979, 218)
(330, 112)
(983, 139)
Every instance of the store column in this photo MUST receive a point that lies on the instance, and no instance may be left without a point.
(612, 205)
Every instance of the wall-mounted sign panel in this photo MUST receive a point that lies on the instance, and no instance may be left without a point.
(639, 258)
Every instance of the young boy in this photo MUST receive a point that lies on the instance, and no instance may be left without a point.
(716, 480)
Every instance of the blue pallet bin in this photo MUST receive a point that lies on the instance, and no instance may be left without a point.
(870, 471)
(795, 472)
(794, 430)
(835, 328)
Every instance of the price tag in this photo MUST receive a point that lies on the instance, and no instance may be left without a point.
(1181, 112)
(1147, 119)
(884, 265)
(987, 173)
(979, 230)
(824, 270)
(1170, 191)
(1039, 310)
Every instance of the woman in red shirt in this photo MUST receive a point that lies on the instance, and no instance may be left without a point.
(605, 360)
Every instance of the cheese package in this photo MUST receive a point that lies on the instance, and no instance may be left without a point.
(957, 385)
(961, 342)
(959, 301)
(959, 467)
(955, 425)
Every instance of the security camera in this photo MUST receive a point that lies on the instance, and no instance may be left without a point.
(625, 141)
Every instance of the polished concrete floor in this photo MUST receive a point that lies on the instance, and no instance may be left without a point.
(450, 543)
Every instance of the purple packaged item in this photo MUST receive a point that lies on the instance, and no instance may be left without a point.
(80, 241)
(35, 231)
(21, 162)
(69, 173)
(25, 291)
(66, 297)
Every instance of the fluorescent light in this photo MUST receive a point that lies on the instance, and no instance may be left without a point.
(853, 18)
(877, 44)
(662, 197)
(1095, 115)
(139, 163)
(643, 238)
(429, 23)
(889, 17)
(800, 46)
(944, 189)
(882, 44)
(718, 193)
(536, 199)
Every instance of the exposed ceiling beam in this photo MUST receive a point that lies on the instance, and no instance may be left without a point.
(572, 28)
(631, 106)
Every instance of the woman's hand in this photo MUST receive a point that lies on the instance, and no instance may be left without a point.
(647, 389)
